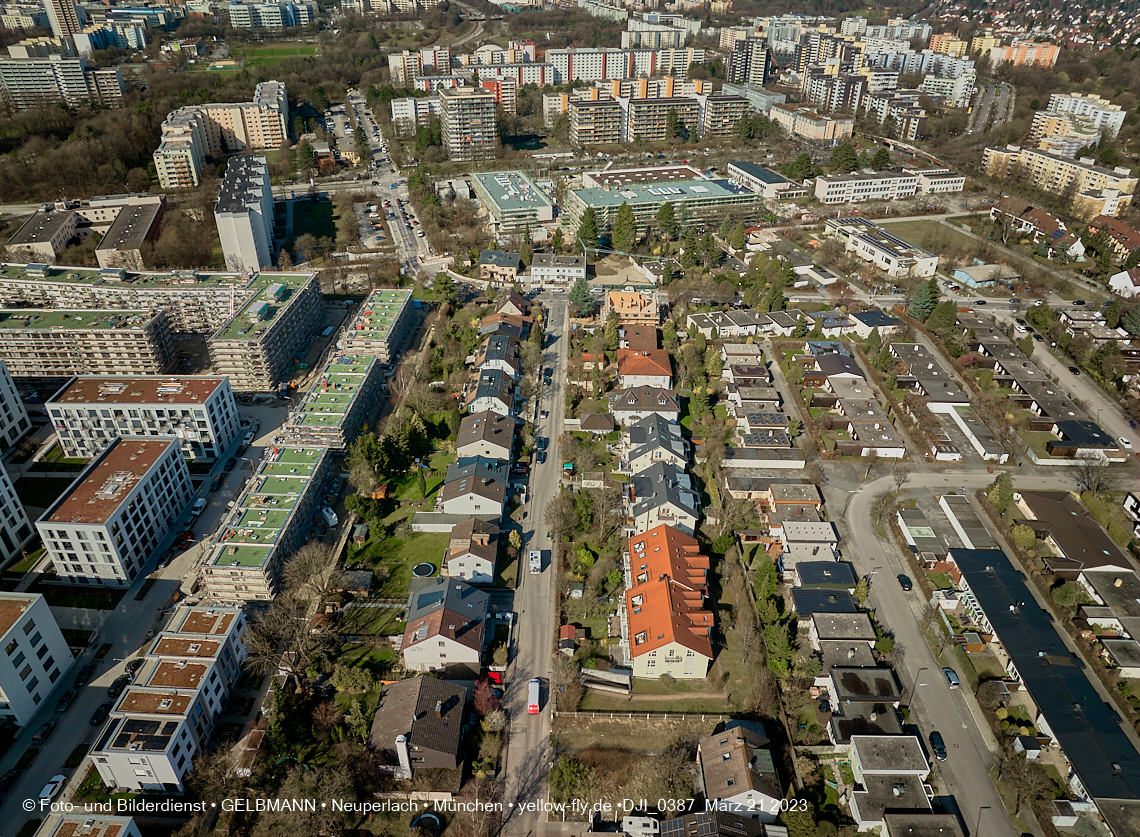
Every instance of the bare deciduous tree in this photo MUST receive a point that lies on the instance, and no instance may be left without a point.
(1094, 474)
(561, 516)
(900, 474)
(312, 573)
(281, 639)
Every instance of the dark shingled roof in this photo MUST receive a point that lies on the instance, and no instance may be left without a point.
(408, 708)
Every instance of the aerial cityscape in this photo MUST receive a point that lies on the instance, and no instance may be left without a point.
(661, 418)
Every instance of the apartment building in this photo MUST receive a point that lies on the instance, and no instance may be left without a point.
(91, 411)
(902, 106)
(956, 91)
(1057, 174)
(720, 115)
(820, 47)
(595, 122)
(548, 269)
(653, 37)
(43, 236)
(244, 214)
(29, 16)
(165, 717)
(1103, 114)
(504, 89)
(275, 16)
(982, 43)
(647, 120)
(1062, 133)
(751, 62)
(937, 180)
(135, 224)
(763, 181)
(192, 133)
(892, 254)
(924, 62)
(948, 45)
(38, 343)
(632, 309)
(338, 403)
(513, 201)
(594, 64)
(834, 92)
(36, 654)
(811, 125)
(467, 122)
(865, 186)
(50, 79)
(14, 422)
(1026, 54)
(668, 625)
(522, 73)
(104, 528)
(271, 518)
(381, 325)
(257, 347)
(407, 64)
(92, 825)
(409, 113)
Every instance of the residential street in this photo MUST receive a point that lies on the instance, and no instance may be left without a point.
(528, 751)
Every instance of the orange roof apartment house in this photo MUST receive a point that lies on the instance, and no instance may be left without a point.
(632, 308)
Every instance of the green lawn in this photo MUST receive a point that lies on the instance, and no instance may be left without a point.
(597, 702)
(587, 613)
(919, 231)
(398, 556)
(940, 581)
(314, 217)
(371, 621)
(41, 492)
(1110, 514)
(361, 655)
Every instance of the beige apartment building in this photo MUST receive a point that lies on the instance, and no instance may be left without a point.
(647, 120)
(1060, 175)
(811, 125)
(595, 122)
(467, 123)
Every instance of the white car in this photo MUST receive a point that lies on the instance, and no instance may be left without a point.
(199, 507)
(1124, 443)
(52, 787)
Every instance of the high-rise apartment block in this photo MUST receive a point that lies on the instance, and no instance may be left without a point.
(1060, 175)
(15, 527)
(750, 62)
(271, 518)
(948, 45)
(14, 422)
(287, 15)
(165, 716)
(257, 347)
(192, 133)
(337, 405)
(1063, 134)
(35, 655)
(91, 411)
(406, 65)
(63, 17)
(467, 122)
(595, 64)
(39, 81)
(1026, 54)
(1103, 114)
(37, 343)
(244, 214)
(104, 528)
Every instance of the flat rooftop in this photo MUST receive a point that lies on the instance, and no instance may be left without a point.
(12, 607)
(764, 175)
(148, 389)
(331, 397)
(511, 190)
(105, 485)
(91, 826)
(178, 674)
(115, 278)
(675, 191)
(261, 311)
(146, 702)
(174, 645)
(40, 319)
(616, 178)
(378, 314)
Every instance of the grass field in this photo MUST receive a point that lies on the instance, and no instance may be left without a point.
(398, 556)
(637, 735)
(371, 621)
(314, 217)
(919, 231)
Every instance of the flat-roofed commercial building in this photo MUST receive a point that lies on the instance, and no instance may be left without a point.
(381, 325)
(257, 347)
(938, 180)
(337, 404)
(864, 186)
(103, 529)
(513, 200)
(701, 201)
(36, 655)
(272, 517)
(892, 254)
(165, 717)
(43, 236)
(90, 411)
(467, 123)
(135, 224)
(37, 343)
(764, 181)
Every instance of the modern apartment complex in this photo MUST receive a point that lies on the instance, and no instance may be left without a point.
(244, 214)
(381, 325)
(750, 62)
(1057, 174)
(165, 717)
(513, 200)
(337, 405)
(270, 519)
(467, 122)
(1103, 114)
(50, 79)
(37, 343)
(15, 528)
(595, 122)
(36, 654)
(91, 411)
(1062, 133)
(408, 64)
(103, 529)
(257, 347)
(408, 114)
(192, 133)
(14, 422)
(1026, 54)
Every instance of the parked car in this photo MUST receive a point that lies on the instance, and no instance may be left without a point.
(100, 714)
(84, 675)
(1124, 443)
(198, 507)
(134, 665)
(541, 442)
(905, 583)
(541, 457)
(52, 787)
(65, 701)
(10, 778)
(186, 538)
(1074, 370)
(1038, 338)
(1079, 302)
(231, 463)
(116, 688)
(216, 483)
(937, 745)
(979, 302)
(951, 677)
(43, 732)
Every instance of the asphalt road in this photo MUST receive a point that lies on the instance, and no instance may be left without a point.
(528, 752)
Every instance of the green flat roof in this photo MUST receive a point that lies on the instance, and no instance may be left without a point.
(144, 279)
(274, 294)
(41, 318)
(672, 191)
(332, 396)
(242, 556)
(378, 313)
(511, 190)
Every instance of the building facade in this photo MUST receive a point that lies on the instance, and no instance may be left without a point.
(244, 214)
(468, 124)
(36, 655)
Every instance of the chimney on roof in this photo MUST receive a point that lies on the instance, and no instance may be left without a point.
(451, 631)
(439, 709)
(1118, 582)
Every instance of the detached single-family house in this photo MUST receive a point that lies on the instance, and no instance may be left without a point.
(635, 403)
(490, 390)
(738, 772)
(446, 628)
(867, 321)
(653, 439)
(1126, 282)
(488, 434)
(419, 724)
(498, 352)
(664, 494)
(644, 368)
(512, 302)
(498, 267)
(472, 552)
(477, 486)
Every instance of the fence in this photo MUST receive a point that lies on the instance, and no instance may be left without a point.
(644, 716)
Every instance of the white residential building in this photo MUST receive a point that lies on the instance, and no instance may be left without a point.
(548, 269)
(165, 717)
(103, 529)
(14, 421)
(244, 214)
(15, 527)
(938, 180)
(35, 654)
(865, 186)
(1104, 115)
(893, 255)
(90, 411)
(472, 552)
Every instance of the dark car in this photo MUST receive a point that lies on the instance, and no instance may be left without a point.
(101, 713)
(134, 665)
(231, 463)
(216, 483)
(547, 372)
(64, 702)
(1074, 370)
(905, 583)
(541, 442)
(1079, 302)
(1020, 321)
(937, 745)
(547, 381)
(10, 778)
(43, 732)
(541, 457)
(116, 688)
(1038, 338)
(84, 675)
(979, 302)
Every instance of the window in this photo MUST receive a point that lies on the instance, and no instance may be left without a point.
(10, 647)
(31, 626)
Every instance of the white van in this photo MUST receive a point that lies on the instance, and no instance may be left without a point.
(532, 696)
(199, 507)
(535, 562)
(329, 516)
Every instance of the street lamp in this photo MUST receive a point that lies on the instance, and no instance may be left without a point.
(978, 823)
(914, 683)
